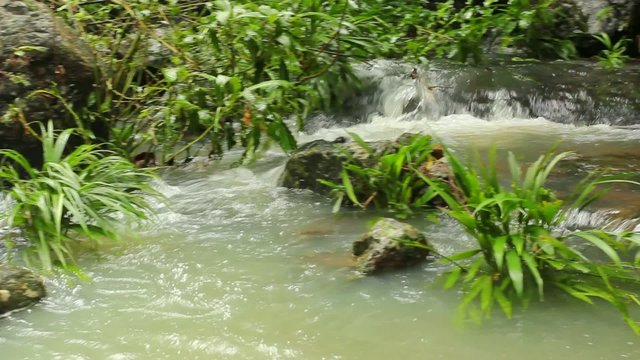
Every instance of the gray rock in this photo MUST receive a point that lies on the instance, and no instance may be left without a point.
(609, 16)
(37, 50)
(19, 288)
(591, 17)
(321, 159)
(385, 247)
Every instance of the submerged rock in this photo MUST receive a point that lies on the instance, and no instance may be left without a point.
(19, 288)
(387, 247)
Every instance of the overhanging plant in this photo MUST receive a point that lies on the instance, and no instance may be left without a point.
(520, 252)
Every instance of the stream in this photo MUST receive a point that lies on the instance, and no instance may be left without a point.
(235, 267)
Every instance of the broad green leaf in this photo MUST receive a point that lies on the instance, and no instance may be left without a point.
(498, 246)
(600, 244)
(452, 277)
(514, 267)
(518, 243)
(533, 267)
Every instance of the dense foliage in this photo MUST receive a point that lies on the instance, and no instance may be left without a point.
(521, 249)
(174, 77)
(221, 73)
(74, 198)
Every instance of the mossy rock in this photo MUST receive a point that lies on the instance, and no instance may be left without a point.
(38, 49)
(19, 288)
(388, 246)
(321, 159)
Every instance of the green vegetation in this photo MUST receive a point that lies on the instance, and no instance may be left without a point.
(75, 198)
(390, 183)
(521, 250)
(226, 72)
(442, 30)
(179, 74)
(221, 73)
(613, 56)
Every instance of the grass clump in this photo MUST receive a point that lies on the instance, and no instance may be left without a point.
(386, 179)
(520, 251)
(75, 197)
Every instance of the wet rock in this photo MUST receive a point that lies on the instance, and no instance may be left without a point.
(19, 288)
(321, 159)
(385, 247)
(576, 92)
(592, 17)
(37, 49)
(609, 16)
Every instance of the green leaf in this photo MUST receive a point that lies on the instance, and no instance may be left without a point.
(503, 302)
(463, 255)
(453, 277)
(498, 246)
(530, 261)
(514, 267)
(348, 188)
(473, 270)
(514, 168)
(363, 144)
(486, 295)
(170, 74)
(518, 243)
(600, 244)
(338, 202)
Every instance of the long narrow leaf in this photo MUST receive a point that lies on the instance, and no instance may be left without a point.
(514, 267)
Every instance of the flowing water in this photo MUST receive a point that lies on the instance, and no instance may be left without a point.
(235, 267)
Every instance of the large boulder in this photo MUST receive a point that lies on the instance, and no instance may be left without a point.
(388, 246)
(19, 288)
(38, 50)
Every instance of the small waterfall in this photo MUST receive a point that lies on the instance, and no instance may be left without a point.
(603, 219)
(576, 93)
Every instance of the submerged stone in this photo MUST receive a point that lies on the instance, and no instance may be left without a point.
(19, 288)
(388, 246)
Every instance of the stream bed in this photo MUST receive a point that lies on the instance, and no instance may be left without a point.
(235, 267)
